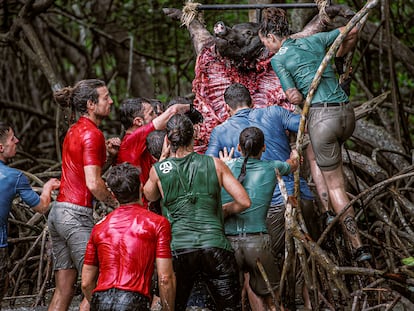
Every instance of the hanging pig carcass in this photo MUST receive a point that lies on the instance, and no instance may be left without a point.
(236, 55)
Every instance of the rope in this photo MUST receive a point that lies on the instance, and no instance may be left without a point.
(190, 12)
(322, 4)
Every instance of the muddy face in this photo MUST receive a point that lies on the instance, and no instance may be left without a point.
(240, 43)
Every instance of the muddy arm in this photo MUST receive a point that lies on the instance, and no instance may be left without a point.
(200, 36)
(333, 17)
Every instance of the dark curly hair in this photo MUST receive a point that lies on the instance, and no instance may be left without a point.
(132, 108)
(77, 97)
(274, 21)
(123, 180)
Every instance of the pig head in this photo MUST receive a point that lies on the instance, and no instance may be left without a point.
(240, 43)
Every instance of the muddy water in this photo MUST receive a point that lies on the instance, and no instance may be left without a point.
(25, 304)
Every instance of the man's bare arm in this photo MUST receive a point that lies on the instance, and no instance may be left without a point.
(151, 190)
(166, 283)
(160, 122)
(45, 196)
(294, 96)
(349, 42)
(97, 185)
(89, 278)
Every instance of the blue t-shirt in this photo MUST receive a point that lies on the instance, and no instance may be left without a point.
(13, 182)
(274, 121)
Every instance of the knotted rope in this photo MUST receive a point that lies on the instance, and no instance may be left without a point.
(190, 12)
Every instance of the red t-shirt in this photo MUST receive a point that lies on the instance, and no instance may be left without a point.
(134, 150)
(125, 244)
(84, 145)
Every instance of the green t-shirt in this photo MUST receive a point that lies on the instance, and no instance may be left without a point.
(192, 202)
(298, 60)
(259, 183)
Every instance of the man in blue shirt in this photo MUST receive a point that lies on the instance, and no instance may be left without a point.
(13, 182)
(274, 121)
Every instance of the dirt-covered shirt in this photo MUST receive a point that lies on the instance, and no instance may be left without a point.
(260, 181)
(298, 60)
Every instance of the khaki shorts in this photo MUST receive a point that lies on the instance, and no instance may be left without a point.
(329, 128)
(275, 223)
(70, 226)
(249, 248)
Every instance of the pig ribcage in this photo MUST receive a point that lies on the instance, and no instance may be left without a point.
(213, 74)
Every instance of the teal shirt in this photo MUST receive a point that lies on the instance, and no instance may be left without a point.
(192, 202)
(298, 60)
(259, 183)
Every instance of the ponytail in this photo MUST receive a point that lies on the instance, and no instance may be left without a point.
(247, 149)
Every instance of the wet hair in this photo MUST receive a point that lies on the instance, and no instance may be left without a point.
(123, 180)
(274, 21)
(5, 128)
(77, 97)
(180, 131)
(157, 105)
(251, 141)
(194, 115)
(132, 108)
(179, 100)
(237, 95)
(155, 141)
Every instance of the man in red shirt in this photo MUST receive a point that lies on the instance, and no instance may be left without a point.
(83, 156)
(139, 119)
(120, 255)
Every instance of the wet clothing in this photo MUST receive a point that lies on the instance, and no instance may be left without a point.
(133, 149)
(192, 202)
(275, 223)
(119, 300)
(260, 181)
(217, 267)
(333, 122)
(298, 60)
(331, 127)
(248, 249)
(70, 226)
(13, 182)
(247, 230)
(84, 145)
(125, 245)
(274, 122)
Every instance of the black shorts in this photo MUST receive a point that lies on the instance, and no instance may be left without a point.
(119, 300)
(217, 268)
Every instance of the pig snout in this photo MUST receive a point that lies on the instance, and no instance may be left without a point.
(220, 29)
